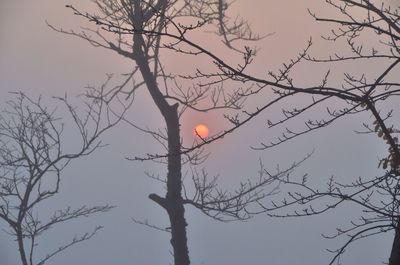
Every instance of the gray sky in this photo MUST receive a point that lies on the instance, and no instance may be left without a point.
(37, 60)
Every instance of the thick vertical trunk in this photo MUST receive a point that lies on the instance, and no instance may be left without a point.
(395, 253)
(173, 202)
(174, 199)
(21, 248)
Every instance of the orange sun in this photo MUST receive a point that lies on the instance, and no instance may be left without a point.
(200, 130)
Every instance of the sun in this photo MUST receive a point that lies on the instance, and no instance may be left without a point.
(200, 130)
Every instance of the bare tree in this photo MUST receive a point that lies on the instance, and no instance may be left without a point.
(32, 158)
(358, 93)
(141, 30)
(357, 21)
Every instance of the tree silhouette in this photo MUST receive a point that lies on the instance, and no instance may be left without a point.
(142, 30)
(361, 92)
(31, 162)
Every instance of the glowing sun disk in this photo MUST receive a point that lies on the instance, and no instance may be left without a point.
(200, 130)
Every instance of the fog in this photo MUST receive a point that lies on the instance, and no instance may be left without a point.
(39, 61)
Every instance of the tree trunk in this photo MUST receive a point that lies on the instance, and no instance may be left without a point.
(21, 248)
(395, 253)
(175, 209)
(173, 202)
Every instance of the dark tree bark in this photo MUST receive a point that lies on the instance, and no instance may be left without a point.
(21, 249)
(174, 199)
(173, 202)
(395, 253)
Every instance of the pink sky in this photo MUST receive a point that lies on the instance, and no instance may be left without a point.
(35, 59)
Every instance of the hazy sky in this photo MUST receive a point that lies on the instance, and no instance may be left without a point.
(37, 60)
